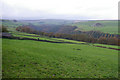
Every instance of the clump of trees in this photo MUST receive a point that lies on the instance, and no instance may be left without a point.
(3, 29)
(91, 36)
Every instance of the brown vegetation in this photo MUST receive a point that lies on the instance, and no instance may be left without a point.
(92, 36)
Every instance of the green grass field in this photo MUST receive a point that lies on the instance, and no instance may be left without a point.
(35, 59)
(108, 46)
(108, 26)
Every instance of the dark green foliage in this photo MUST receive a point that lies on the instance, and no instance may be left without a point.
(4, 28)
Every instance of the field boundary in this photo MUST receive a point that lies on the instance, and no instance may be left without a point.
(21, 38)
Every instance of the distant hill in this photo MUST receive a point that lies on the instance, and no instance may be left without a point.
(98, 25)
(54, 28)
(106, 26)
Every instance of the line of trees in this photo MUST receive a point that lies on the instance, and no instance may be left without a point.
(102, 39)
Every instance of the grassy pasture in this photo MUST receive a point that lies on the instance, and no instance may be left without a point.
(108, 26)
(34, 59)
(13, 24)
(104, 45)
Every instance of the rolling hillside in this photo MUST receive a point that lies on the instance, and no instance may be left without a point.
(34, 59)
(26, 55)
(109, 26)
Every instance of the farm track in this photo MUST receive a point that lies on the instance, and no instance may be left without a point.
(19, 38)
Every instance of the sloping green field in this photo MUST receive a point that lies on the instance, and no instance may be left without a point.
(35, 59)
(108, 26)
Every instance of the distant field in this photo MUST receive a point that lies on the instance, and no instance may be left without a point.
(34, 59)
(104, 45)
(108, 26)
(13, 24)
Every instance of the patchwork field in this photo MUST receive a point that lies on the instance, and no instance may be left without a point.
(35, 59)
(35, 36)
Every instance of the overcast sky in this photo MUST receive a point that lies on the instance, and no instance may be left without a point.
(59, 9)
